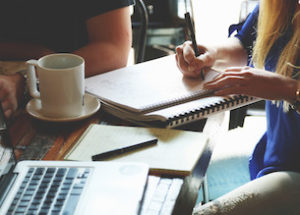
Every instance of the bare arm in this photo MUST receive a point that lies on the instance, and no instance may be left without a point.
(108, 48)
(236, 78)
(227, 53)
(254, 82)
(109, 42)
(231, 53)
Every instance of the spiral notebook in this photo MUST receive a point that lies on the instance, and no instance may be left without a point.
(156, 93)
(185, 113)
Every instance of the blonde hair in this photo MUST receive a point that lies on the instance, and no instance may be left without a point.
(275, 18)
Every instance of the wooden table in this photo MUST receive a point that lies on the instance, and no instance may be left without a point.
(38, 140)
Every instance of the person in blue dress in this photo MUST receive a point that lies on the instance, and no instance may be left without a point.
(264, 60)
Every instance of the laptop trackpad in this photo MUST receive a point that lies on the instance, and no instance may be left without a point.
(116, 190)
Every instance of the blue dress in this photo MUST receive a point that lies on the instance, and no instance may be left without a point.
(279, 148)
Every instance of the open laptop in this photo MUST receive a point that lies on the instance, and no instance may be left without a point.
(63, 187)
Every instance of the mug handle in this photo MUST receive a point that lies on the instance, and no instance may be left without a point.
(31, 78)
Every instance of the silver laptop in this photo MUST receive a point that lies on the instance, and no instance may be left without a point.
(67, 187)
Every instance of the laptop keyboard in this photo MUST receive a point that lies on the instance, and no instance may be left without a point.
(57, 191)
(161, 195)
(49, 191)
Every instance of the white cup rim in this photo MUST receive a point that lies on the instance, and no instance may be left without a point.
(39, 62)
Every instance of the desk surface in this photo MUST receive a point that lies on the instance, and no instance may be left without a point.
(38, 140)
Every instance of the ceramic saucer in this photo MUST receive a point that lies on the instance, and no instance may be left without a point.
(92, 105)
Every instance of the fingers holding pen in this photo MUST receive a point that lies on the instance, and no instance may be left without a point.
(185, 57)
(181, 63)
(188, 63)
(188, 52)
(205, 60)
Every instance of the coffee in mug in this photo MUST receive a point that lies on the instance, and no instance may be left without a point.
(61, 84)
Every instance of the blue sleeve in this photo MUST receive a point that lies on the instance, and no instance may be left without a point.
(247, 34)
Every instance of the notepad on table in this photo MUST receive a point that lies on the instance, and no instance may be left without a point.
(176, 152)
(156, 93)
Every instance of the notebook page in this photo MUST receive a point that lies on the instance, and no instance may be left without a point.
(176, 152)
(146, 86)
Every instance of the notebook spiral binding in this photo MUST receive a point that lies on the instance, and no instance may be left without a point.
(200, 113)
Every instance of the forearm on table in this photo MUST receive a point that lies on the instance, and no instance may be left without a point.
(22, 51)
(102, 57)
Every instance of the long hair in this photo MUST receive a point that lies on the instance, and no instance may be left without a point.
(275, 18)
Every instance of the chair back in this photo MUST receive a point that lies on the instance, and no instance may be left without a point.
(143, 26)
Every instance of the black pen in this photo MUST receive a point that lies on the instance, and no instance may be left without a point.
(119, 151)
(192, 36)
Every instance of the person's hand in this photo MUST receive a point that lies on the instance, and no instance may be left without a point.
(11, 91)
(253, 82)
(189, 64)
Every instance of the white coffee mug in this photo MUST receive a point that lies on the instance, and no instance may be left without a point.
(61, 84)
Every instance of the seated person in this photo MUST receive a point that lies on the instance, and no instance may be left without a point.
(99, 32)
(269, 42)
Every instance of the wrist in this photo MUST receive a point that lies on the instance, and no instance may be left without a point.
(294, 99)
(290, 91)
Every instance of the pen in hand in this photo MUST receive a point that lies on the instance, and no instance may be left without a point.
(119, 151)
(193, 38)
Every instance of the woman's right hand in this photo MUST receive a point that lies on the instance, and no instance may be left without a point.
(189, 64)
